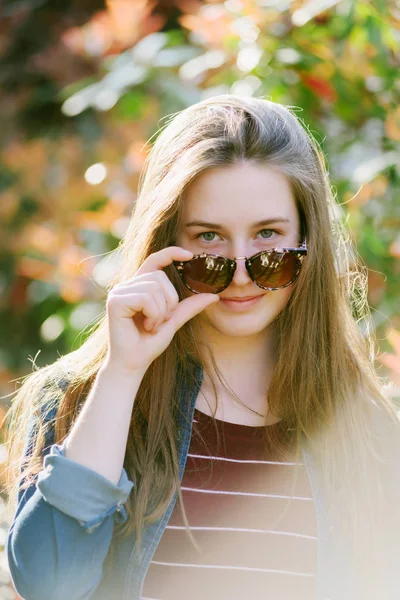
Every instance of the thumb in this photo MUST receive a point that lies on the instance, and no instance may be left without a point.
(190, 307)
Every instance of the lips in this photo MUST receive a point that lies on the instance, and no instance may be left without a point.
(241, 299)
(242, 305)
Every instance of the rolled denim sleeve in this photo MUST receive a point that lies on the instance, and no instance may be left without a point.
(50, 554)
(81, 492)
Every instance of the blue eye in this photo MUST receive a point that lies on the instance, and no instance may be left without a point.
(267, 230)
(215, 233)
(206, 233)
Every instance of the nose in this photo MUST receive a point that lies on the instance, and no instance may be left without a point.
(241, 276)
(239, 250)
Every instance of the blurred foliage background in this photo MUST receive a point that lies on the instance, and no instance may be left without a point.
(85, 85)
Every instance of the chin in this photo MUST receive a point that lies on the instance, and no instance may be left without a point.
(242, 332)
(239, 325)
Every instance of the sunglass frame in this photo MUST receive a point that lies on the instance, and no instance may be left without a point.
(300, 253)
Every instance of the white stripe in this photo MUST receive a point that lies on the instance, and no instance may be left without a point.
(301, 535)
(257, 462)
(189, 489)
(156, 562)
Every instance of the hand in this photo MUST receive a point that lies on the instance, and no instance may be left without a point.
(144, 312)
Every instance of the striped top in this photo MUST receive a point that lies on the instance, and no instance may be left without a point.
(232, 497)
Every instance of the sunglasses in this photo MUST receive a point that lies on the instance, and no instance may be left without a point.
(269, 269)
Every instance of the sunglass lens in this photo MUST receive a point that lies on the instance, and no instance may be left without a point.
(206, 274)
(274, 269)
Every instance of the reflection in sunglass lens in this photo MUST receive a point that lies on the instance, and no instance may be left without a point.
(207, 274)
(274, 269)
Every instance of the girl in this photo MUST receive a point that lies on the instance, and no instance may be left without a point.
(228, 370)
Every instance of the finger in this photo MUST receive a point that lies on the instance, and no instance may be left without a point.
(190, 307)
(155, 289)
(160, 299)
(171, 295)
(132, 304)
(163, 258)
(159, 280)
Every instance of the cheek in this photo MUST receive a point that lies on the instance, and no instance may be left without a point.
(277, 300)
(282, 296)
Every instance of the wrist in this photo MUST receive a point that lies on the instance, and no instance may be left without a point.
(110, 369)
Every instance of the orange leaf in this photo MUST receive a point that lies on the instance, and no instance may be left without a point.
(320, 86)
(392, 124)
(32, 268)
(72, 290)
(394, 248)
(70, 262)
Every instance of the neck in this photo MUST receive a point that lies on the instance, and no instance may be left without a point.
(246, 364)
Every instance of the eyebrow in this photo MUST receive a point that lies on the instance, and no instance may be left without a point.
(197, 223)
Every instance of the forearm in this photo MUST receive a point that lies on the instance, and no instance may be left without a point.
(99, 436)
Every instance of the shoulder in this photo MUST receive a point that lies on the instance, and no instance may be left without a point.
(385, 427)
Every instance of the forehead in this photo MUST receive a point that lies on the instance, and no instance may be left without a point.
(246, 191)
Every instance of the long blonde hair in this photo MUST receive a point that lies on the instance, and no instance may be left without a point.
(324, 386)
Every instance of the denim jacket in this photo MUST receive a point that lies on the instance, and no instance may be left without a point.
(62, 529)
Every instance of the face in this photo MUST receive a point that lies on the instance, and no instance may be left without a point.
(231, 200)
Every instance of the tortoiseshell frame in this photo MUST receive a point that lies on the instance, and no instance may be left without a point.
(301, 252)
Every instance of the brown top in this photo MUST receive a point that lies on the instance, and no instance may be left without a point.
(232, 497)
